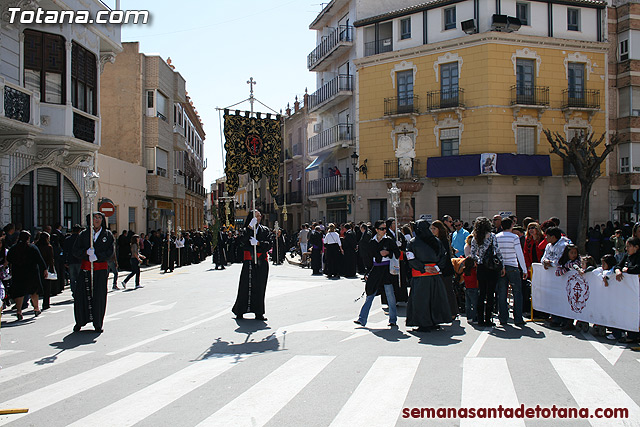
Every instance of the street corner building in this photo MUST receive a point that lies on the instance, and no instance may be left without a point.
(450, 99)
(50, 115)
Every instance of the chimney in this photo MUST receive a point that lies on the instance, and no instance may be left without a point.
(288, 110)
(296, 105)
(305, 98)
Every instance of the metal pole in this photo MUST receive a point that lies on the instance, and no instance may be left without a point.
(252, 82)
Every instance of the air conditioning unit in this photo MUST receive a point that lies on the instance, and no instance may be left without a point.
(317, 128)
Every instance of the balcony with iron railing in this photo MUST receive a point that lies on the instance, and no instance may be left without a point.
(21, 106)
(445, 99)
(336, 89)
(293, 197)
(530, 96)
(378, 46)
(392, 169)
(330, 185)
(84, 126)
(401, 105)
(338, 41)
(587, 99)
(340, 135)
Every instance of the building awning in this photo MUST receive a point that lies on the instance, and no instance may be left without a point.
(506, 164)
(323, 157)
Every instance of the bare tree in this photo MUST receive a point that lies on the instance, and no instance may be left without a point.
(580, 151)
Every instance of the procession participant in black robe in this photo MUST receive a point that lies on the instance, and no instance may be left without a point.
(90, 299)
(169, 253)
(379, 280)
(231, 245)
(349, 257)
(156, 248)
(315, 246)
(219, 258)
(428, 304)
(399, 287)
(255, 271)
(364, 250)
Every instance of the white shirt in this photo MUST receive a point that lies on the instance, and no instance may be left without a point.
(553, 252)
(96, 234)
(331, 238)
(509, 244)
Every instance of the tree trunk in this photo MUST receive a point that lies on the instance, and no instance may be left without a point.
(583, 220)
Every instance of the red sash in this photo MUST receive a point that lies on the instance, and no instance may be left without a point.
(86, 266)
(247, 255)
(416, 273)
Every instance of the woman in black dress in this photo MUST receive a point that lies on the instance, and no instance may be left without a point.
(27, 270)
(440, 231)
(428, 304)
(46, 250)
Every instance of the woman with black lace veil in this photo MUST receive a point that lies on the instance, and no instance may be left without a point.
(428, 304)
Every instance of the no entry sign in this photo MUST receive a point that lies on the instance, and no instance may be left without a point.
(107, 209)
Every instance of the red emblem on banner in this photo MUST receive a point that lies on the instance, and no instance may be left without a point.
(577, 292)
(254, 144)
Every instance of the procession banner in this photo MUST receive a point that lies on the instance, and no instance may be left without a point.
(253, 146)
(586, 298)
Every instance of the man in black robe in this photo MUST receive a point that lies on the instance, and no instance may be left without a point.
(255, 268)
(400, 283)
(349, 257)
(169, 253)
(315, 246)
(364, 250)
(90, 299)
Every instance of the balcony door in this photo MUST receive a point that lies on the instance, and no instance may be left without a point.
(405, 91)
(576, 83)
(449, 84)
(525, 80)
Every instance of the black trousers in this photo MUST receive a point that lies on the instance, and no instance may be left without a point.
(487, 280)
(135, 271)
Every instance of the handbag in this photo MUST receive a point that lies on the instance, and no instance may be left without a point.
(52, 275)
(491, 260)
(394, 266)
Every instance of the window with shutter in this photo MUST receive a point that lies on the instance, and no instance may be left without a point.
(44, 65)
(83, 79)
(526, 140)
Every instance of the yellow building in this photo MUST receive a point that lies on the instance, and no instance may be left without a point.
(457, 117)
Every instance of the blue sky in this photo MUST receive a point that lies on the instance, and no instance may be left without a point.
(217, 45)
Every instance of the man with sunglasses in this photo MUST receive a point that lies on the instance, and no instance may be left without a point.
(380, 280)
(458, 238)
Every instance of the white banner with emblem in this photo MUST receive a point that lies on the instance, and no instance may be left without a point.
(585, 297)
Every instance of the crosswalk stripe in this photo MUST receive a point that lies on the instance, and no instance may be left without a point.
(260, 403)
(13, 372)
(386, 386)
(8, 352)
(71, 386)
(591, 387)
(487, 383)
(137, 406)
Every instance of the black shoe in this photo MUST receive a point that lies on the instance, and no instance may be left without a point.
(37, 313)
(392, 324)
(521, 324)
(261, 318)
(240, 316)
(98, 330)
(357, 322)
(421, 329)
(76, 328)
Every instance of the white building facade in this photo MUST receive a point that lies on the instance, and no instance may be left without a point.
(50, 113)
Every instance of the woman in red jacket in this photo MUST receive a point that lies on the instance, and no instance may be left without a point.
(533, 248)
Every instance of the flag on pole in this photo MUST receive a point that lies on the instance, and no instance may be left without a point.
(253, 146)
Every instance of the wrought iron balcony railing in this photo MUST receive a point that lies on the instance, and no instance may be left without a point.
(84, 128)
(342, 34)
(342, 83)
(378, 46)
(392, 169)
(401, 105)
(584, 98)
(530, 95)
(331, 184)
(17, 105)
(341, 133)
(442, 99)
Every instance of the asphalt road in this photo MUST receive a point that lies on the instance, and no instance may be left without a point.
(173, 355)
